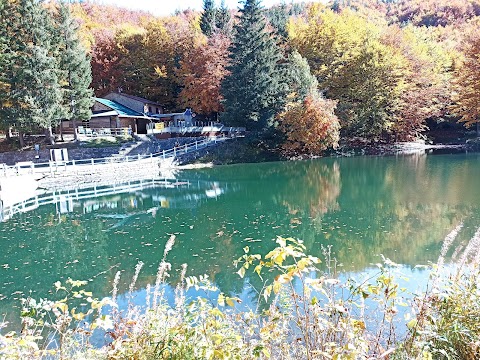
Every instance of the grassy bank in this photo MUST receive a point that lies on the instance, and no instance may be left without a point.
(298, 316)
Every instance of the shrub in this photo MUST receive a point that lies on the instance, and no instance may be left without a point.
(303, 313)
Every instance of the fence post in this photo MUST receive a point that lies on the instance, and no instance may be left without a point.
(92, 161)
(32, 167)
(163, 154)
(186, 148)
(151, 158)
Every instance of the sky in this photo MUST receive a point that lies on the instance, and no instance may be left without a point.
(167, 7)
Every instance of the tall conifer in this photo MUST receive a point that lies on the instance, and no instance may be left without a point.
(30, 71)
(76, 71)
(207, 20)
(254, 91)
(223, 19)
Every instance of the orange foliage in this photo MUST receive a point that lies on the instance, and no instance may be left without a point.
(467, 82)
(435, 12)
(105, 61)
(201, 73)
(310, 127)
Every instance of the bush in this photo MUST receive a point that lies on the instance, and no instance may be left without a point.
(310, 127)
(304, 316)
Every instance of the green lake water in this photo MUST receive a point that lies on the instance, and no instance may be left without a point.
(401, 207)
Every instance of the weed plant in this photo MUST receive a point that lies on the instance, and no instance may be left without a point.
(303, 313)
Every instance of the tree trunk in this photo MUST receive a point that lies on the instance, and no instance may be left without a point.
(49, 136)
(21, 139)
(478, 128)
(61, 130)
(8, 135)
(74, 123)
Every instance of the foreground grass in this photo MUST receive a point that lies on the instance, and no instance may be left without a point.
(303, 317)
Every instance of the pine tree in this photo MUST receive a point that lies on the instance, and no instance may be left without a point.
(31, 71)
(254, 90)
(302, 82)
(278, 17)
(223, 20)
(76, 71)
(207, 20)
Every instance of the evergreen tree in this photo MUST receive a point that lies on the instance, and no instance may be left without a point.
(223, 20)
(207, 20)
(278, 17)
(302, 82)
(254, 91)
(30, 72)
(76, 71)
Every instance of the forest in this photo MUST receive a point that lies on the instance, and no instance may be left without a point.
(305, 75)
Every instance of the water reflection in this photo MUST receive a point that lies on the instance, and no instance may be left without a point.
(401, 207)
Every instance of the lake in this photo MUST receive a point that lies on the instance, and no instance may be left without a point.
(364, 207)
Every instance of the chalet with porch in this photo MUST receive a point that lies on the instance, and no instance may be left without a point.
(119, 114)
(112, 115)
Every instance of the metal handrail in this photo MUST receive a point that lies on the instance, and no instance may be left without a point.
(52, 166)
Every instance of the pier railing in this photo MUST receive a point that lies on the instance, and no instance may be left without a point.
(65, 196)
(59, 166)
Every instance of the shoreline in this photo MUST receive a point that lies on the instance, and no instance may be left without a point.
(206, 158)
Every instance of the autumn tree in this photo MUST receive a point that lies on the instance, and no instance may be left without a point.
(253, 90)
(434, 12)
(352, 66)
(427, 77)
(310, 127)
(201, 73)
(105, 59)
(467, 83)
(149, 59)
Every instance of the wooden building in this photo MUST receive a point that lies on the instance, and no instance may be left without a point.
(111, 114)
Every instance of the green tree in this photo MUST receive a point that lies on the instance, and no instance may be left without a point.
(31, 70)
(223, 19)
(207, 20)
(278, 18)
(254, 90)
(76, 71)
(302, 82)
